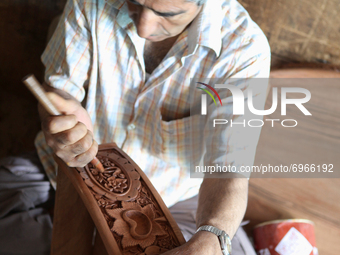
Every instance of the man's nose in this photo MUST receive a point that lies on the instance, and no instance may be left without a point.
(147, 23)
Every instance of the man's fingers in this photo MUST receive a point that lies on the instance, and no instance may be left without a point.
(79, 153)
(84, 158)
(68, 134)
(57, 124)
(83, 145)
(71, 136)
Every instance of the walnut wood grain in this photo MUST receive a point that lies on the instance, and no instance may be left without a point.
(127, 210)
(99, 247)
(72, 225)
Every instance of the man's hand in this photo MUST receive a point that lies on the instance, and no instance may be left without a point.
(69, 135)
(203, 242)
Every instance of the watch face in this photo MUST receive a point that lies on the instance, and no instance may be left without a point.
(229, 245)
(227, 242)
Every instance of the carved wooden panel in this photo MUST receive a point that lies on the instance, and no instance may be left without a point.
(123, 201)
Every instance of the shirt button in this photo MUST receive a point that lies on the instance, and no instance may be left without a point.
(131, 126)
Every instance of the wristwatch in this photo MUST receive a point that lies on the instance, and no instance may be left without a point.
(222, 236)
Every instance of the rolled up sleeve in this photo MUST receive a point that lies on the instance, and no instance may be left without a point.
(67, 57)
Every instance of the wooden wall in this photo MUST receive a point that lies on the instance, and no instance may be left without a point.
(23, 30)
(299, 31)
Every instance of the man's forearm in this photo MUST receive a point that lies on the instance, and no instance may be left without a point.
(222, 203)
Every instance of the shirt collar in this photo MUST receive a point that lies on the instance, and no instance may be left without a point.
(205, 30)
(123, 18)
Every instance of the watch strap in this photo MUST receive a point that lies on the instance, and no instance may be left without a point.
(223, 237)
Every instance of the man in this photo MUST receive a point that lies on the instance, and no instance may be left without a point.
(129, 63)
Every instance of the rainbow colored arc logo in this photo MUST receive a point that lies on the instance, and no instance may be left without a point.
(205, 90)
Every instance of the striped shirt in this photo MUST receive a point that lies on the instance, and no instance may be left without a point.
(96, 55)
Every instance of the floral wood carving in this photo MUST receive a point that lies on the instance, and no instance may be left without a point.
(135, 218)
(138, 225)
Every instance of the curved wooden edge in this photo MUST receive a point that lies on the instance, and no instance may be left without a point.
(155, 193)
(94, 210)
(90, 204)
(72, 227)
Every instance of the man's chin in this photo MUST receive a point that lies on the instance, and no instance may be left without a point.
(156, 38)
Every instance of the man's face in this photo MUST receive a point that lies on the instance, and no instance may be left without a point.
(157, 20)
